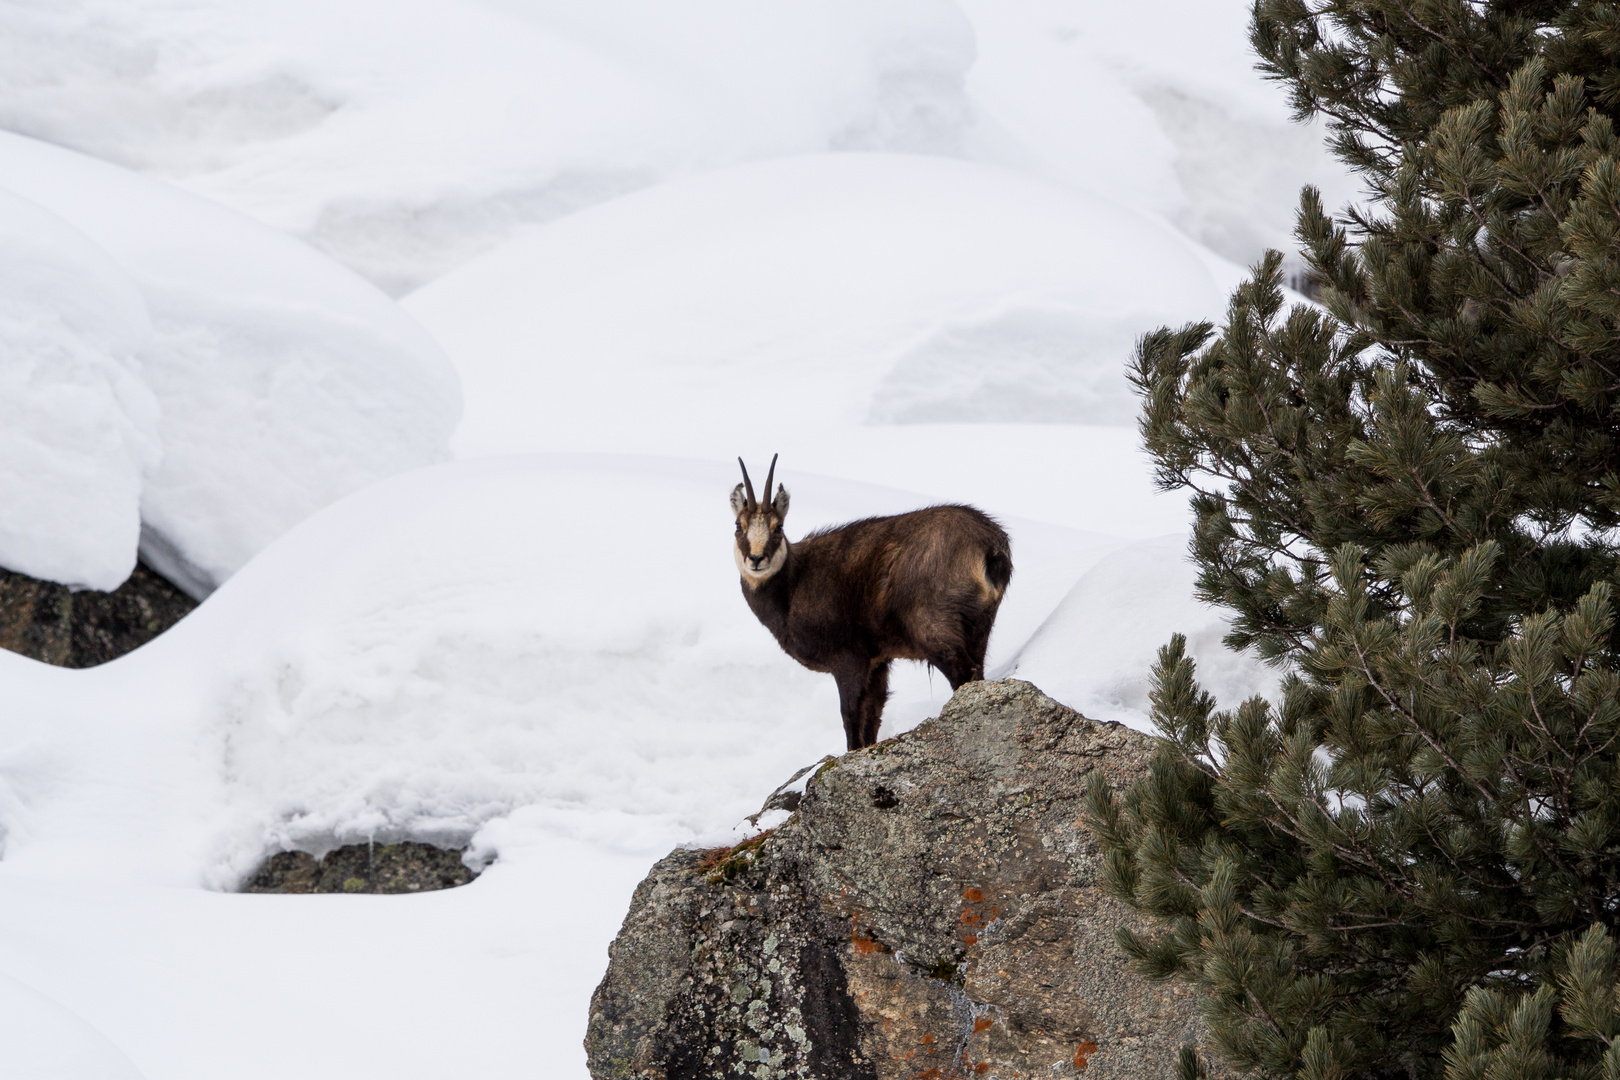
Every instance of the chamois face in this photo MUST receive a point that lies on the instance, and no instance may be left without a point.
(761, 549)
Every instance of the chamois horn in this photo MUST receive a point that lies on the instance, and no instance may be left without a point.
(753, 503)
(768, 477)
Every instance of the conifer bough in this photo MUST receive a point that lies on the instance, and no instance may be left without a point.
(1410, 865)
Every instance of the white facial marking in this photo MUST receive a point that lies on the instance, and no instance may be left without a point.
(757, 536)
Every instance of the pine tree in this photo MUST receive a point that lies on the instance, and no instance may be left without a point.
(1410, 865)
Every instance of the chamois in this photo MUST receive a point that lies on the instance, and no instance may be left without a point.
(850, 600)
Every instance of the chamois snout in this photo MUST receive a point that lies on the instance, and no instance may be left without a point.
(761, 547)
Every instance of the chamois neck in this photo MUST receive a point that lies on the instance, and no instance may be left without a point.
(771, 598)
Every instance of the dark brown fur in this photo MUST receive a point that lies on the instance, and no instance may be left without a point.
(852, 599)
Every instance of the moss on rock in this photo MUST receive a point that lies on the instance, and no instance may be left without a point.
(405, 867)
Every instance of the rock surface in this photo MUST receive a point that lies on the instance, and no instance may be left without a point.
(405, 867)
(52, 623)
(931, 910)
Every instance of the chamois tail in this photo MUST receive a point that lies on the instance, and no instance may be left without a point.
(998, 569)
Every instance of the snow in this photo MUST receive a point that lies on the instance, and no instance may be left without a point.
(908, 246)
(865, 289)
(444, 655)
(406, 137)
(1093, 651)
(557, 637)
(259, 383)
(78, 427)
(1155, 103)
(44, 1041)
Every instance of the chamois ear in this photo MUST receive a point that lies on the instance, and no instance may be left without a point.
(780, 503)
(739, 502)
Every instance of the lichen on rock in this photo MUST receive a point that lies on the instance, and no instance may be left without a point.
(405, 867)
(932, 909)
(54, 624)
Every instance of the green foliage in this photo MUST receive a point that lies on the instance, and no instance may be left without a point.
(1408, 498)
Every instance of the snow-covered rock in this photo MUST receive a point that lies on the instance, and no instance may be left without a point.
(282, 381)
(78, 426)
(552, 645)
(405, 136)
(1154, 103)
(818, 292)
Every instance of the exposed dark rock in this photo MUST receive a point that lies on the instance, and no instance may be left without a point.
(405, 867)
(50, 622)
(931, 910)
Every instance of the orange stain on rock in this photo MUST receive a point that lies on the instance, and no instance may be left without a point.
(1082, 1052)
(983, 1023)
(973, 896)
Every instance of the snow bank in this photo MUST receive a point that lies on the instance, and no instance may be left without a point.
(1095, 650)
(544, 655)
(1155, 104)
(41, 1040)
(490, 980)
(78, 426)
(555, 645)
(810, 293)
(405, 136)
(282, 381)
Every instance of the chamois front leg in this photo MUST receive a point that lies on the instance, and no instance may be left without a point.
(873, 698)
(852, 678)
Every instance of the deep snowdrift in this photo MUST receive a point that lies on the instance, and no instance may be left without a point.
(45, 1041)
(558, 642)
(813, 294)
(281, 381)
(407, 136)
(78, 427)
(1155, 104)
(547, 656)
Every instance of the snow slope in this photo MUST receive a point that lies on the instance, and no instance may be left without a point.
(543, 655)
(78, 426)
(895, 319)
(1156, 104)
(558, 637)
(407, 136)
(44, 1041)
(906, 245)
(260, 382)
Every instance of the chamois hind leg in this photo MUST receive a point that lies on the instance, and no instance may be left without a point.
(977, 629)
(875, 696)
(941, 642)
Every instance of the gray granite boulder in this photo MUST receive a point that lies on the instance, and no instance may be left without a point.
(930, 910)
